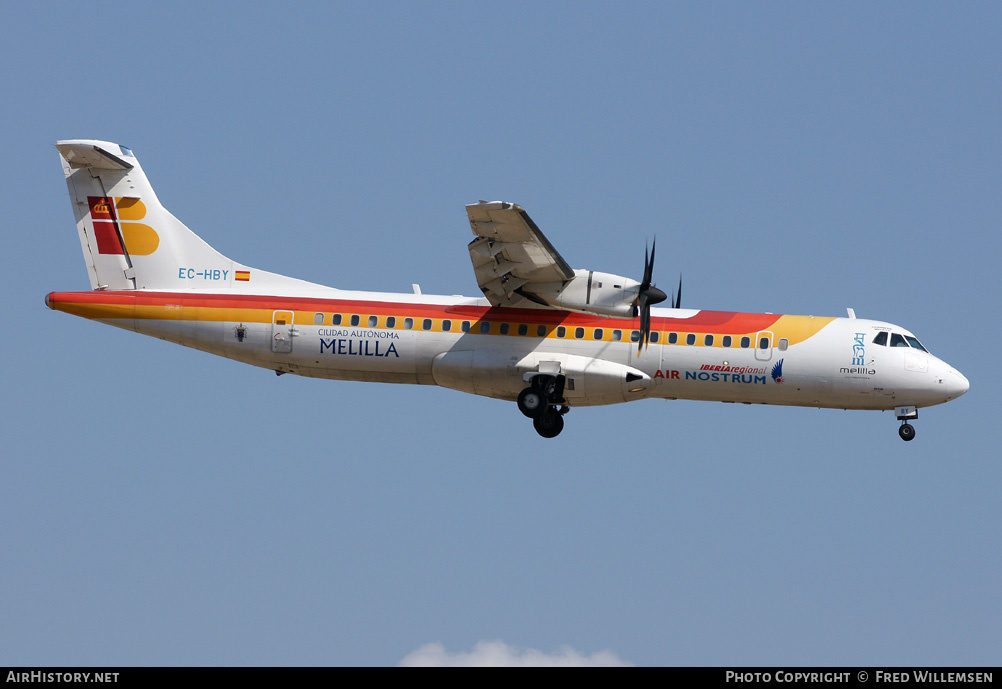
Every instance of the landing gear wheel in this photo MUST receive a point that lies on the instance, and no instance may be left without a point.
(532, 402)
(906, 431)
(549, 424)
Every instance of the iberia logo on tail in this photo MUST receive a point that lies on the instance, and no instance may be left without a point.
(113, 223)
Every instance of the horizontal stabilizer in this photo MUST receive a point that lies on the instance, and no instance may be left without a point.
(87, 154)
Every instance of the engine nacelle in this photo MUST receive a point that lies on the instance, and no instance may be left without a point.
(590, 292)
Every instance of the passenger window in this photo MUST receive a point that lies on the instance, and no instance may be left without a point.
(373, 321)
(783, 344)
(690, 339)
(579, 333)
(672, 338)
(708, 340)
(634, 336)
(408, 323)
(426, 324)
(881, 339)
(336, 319)
(465, 327)
(655, 336)
(725, 341)
(446, 325)
(540, 331)
(913, 341)
(354, 320)
(763, 343)
(485, 327)
(504, 328)
(598, 334)
(617, 335)
(898, 340)
(561, 331)
(391, 321)
(318, 319)
(523, 329)
(745, 342)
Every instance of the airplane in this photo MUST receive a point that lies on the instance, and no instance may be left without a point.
(544, 335)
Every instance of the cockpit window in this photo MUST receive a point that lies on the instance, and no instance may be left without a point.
(913, 341)
(898, 340)
(881, 339)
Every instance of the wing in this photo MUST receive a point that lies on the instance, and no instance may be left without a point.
(510, 252)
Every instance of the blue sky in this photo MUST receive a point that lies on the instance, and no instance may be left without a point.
(162, 506)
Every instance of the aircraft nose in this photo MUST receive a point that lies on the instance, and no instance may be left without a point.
(956, 383)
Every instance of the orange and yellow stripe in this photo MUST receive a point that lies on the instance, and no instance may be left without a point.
(103, 305)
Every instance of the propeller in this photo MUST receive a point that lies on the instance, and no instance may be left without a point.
(676, 301)
(647, 296)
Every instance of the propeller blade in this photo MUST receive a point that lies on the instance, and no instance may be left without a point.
(647, 295)
(645, 323)
(648, 266)
(677, 301)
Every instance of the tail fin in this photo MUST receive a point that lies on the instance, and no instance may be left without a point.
(130, 241)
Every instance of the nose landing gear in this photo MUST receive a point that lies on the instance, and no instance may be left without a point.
(906, 431)
(904, 414)
(539, 402)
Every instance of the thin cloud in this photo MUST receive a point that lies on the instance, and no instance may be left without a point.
(500, 654)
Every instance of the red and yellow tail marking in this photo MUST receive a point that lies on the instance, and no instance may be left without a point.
(140, 239)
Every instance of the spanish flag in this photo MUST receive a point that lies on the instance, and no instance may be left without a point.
(242, 275)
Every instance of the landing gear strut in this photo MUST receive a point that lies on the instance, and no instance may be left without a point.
(538, 402)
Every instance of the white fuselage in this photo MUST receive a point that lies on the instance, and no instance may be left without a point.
(466, 344)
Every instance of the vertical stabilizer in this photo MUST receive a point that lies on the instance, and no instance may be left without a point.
(130, 241)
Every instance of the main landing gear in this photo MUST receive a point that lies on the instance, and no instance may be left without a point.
(539, 402)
